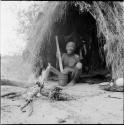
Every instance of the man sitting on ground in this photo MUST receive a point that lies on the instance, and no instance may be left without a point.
(71, 63)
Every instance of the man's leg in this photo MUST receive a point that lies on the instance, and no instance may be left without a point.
(76, 74)
(68, 71)
(55, 71)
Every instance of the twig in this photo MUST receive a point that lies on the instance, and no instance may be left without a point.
(26, 104)
(112, 97)
(7, 82)
(12, 95)
(31, 109)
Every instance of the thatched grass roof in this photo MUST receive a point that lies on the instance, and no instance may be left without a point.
(110, 26)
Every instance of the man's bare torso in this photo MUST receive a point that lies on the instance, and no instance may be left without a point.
(70, 60)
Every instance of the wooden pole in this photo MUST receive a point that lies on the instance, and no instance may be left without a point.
(59, 54)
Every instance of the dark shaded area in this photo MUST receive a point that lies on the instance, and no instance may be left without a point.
(80, 28)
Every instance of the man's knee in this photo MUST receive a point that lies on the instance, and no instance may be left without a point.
(79, 65)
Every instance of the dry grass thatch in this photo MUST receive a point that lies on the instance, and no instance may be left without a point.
(110, 26)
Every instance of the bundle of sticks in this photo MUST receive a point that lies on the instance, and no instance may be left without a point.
(54, 93)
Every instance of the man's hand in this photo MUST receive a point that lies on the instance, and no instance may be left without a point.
(79, 65)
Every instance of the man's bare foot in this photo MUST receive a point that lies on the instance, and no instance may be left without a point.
(71, 83)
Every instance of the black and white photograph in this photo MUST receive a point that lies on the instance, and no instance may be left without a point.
(62, 62)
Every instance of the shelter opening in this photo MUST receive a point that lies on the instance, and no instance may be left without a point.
(80, 27)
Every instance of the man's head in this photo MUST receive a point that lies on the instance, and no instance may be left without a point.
(70, 47)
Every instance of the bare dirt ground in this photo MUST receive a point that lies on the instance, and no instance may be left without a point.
(92, 105)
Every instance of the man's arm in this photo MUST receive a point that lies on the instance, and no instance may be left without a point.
(79, 64)
(77, 57)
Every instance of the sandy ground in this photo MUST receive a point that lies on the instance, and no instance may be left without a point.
(92, 105)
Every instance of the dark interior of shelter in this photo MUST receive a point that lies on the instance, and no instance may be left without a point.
(81, 28)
